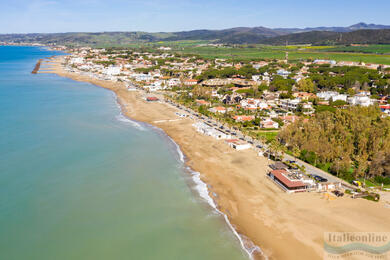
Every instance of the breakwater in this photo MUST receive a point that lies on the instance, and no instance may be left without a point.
(37, 66)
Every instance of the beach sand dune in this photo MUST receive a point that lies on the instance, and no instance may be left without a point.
(285, 226)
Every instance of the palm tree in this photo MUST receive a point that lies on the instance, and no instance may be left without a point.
(277, 149)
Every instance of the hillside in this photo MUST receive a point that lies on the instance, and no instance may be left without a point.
(326, 37)
(240, 35)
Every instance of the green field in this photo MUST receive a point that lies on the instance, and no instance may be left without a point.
(269, 135)
(374, 49)
(295, 53)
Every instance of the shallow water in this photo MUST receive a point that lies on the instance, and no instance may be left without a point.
(80, 181)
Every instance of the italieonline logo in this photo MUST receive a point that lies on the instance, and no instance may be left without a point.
(357, 245)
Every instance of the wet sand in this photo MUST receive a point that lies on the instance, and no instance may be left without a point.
(284, 226)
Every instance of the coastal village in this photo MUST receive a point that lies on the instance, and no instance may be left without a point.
(195, 130)
(245, 104)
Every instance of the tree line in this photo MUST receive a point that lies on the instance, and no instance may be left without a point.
(350, 143)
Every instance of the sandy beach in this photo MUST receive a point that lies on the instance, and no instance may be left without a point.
(284, 226)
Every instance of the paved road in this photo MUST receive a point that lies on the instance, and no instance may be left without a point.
(310, 169)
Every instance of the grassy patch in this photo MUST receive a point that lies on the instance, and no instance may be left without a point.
(269, 135)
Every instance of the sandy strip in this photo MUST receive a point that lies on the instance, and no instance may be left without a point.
(284, 226)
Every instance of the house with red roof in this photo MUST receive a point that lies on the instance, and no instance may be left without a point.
(221, 110)
(289, 182)
(243, 118)
(238, 144)
(269, 124)
(190, 82)
(201, 102)
(385, 109)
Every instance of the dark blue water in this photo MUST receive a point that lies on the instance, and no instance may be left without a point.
(79, 181)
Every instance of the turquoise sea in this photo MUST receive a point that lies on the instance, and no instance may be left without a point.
(80, 181)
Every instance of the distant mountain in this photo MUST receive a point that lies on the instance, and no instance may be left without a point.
(327, 37)
(355, 27)
(372, 33)
(233, 35)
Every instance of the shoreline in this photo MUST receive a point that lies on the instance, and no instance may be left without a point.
(284, 226)
(253, 251)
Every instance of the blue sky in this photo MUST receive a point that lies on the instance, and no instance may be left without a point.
(25, 16)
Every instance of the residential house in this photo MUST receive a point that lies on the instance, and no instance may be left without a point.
(201, 102)
(269, 123)
(221, 110)
(360, 100)
(304, 95)
(385, 109)
(332, 95)
(190, 82)
(243, 118)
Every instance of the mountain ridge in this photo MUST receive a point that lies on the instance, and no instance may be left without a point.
(356, 33)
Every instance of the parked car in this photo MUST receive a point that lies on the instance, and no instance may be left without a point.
(318, 178)
(338, 193)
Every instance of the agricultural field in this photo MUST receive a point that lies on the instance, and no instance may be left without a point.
(295, 53)
(374, 49)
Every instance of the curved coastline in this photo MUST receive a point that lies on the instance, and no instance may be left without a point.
(200, 186)
(252, 250)
(285, 226)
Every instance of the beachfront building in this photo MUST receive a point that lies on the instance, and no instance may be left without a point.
(290, 182)
(238, 144)
(209, 130)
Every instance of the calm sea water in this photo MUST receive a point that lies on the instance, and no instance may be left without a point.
(79, 181)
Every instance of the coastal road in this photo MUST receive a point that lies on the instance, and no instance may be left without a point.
(310, 169)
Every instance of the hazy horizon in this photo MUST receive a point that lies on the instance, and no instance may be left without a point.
(196, 29)
(59, 16)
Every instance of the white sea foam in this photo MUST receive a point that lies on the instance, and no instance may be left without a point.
(201, 187)
(133, 123)
(178, 150)
(121, 117)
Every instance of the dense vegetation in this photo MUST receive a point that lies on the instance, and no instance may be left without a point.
(348, 79)
(350, 143)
